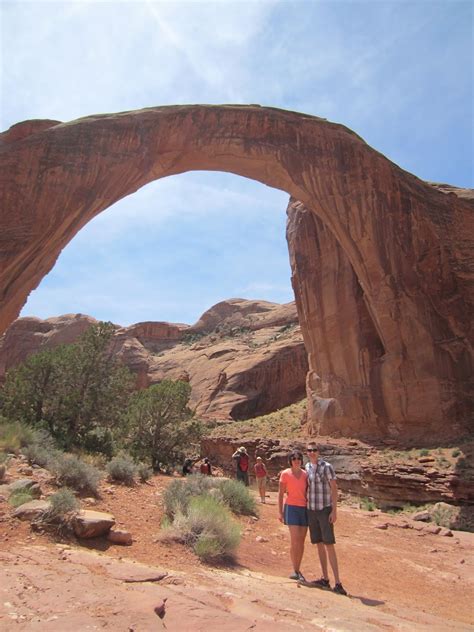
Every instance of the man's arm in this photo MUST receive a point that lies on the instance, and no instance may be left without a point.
(334, 498)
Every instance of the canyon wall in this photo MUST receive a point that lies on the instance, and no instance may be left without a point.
(242, 358)
(405, 247)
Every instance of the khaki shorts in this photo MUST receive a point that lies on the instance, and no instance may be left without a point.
(320, 529)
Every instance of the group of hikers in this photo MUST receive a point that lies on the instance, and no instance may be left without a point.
(307, 499)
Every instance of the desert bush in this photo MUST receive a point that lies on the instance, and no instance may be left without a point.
(444, 515)
(144, 472)
(14, 435)
(72, 472)
(424, 452)
(178, 494)
(63, 502)
(58, 518)
(207, 526)
(20, 497)
(367, 504)
(122, 469)
(4, 458)
(456, 452)
(237, 497)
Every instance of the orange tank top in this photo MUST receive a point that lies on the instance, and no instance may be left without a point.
(295, 487)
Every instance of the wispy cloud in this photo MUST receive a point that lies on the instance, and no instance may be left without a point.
(398, 72)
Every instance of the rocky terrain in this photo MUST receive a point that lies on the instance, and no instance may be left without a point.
(401, 574)
(242, 358)
(391, 478)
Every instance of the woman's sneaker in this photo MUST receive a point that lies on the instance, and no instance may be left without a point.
(339, 589)
(298, 576)
(321, 583)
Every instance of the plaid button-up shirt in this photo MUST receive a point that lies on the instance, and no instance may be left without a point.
(319, 489)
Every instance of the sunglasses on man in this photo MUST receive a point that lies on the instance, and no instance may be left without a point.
(312, 450)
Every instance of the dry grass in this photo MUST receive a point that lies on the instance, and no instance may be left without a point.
(285, 423)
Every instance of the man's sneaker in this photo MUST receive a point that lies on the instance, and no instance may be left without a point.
(298, 576)
(339, 589)
(321, 583)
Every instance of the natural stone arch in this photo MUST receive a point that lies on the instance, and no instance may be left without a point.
(391, 227)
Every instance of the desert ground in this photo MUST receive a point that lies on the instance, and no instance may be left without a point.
(398, 578)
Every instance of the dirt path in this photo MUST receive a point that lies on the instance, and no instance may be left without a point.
(399, 579)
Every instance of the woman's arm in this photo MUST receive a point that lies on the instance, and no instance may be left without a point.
(281, 494)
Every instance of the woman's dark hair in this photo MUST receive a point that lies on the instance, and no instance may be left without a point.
(296, 453)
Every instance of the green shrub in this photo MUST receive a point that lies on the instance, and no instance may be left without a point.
(238, 497)
(4, 458)
(456, 452)
(424, 452)
(367, 504)
(72, 472)
(144, 472)
(207, 526)
(37, 454)
(14, 435)
(179, 492)
(122, 469)
(20, 497)
(63, 502)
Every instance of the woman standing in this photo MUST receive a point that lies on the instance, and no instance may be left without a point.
(261, 477)
(293, 513)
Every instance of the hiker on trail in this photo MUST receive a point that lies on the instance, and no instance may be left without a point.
(261, 477)
(322, 514)
(206, 467)
(187, 467)
(241, 459)
(293, 482)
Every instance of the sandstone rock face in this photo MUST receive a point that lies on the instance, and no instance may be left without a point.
(357, 386)
(409, 244)
(29, 335)
(242, 358)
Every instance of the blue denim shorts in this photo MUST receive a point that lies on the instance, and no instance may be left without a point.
(295, 516)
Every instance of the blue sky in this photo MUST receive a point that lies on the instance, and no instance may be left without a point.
(399, 73)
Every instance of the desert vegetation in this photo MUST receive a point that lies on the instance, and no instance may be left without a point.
(199, 514)
(78, 399)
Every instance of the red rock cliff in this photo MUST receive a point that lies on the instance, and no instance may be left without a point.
(409, 245)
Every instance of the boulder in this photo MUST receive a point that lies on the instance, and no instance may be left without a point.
(26, 484)
(92, 524)
(31, 510)
(120, 537)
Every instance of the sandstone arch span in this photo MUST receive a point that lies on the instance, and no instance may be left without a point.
(393, 250)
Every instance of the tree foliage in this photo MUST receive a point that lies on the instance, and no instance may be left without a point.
(77, 391)
(160, 423)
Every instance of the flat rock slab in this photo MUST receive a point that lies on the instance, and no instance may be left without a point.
(56, 588)
(26, 484)
(92, 524)
(33, 509)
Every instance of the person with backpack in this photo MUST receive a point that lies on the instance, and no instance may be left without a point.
(206, 467)
(241, 459)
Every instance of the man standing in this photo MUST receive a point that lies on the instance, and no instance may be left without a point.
(322, 514)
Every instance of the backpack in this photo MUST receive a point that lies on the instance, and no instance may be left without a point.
(244, 463)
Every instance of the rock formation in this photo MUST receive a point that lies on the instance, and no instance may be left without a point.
(403, 247)
(242, 358)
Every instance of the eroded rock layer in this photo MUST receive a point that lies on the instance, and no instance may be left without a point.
(405, 247)
(242, 358)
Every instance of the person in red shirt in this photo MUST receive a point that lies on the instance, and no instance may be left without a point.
(261, 477)
(293, 482)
